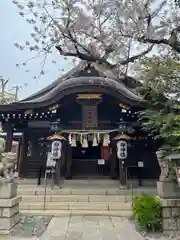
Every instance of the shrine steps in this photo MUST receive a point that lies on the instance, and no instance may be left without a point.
(109, 191)
(79, 198)
(103, 206)
(69, 213)
(91, 183)
(75, 205)
(104, 201)
(75, 201)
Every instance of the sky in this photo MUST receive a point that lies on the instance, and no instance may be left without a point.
(15, 29)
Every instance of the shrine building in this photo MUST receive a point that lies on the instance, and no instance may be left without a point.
(90, 110)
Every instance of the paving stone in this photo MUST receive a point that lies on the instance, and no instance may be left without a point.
(60, 237)
(57, 227)
(91, 218)
(76, 219)
(75, 235)
(91, 228)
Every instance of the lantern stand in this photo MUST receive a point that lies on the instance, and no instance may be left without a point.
(52, 166)
(57, 147)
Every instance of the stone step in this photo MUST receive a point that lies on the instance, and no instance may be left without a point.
(76, 198)
(67, 213)
(112, 206)
(68, 191)
(72, 182)
(85, 191)
(90, 181)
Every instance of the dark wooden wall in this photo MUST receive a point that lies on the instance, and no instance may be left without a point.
(109, 117)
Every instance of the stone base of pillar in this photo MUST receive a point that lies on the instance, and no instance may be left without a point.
(169, 193)
(168, 189)
(171, 215)
(8, 190)
(9, 207)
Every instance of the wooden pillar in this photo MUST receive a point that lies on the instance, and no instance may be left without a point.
(57, 172)
(69, 162)
(20, 153)
(22, 160)
(9, 137)
(122, 172)
(63, 158)
(113, 160)
(60, 164)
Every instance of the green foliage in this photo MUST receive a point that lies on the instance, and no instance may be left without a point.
(161, 92)
(147, 212)
(161, 73)
(161, 117)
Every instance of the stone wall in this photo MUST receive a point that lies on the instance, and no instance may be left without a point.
(169, 193)
(9, 207)
(171, 215)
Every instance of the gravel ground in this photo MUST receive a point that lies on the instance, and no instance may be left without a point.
(156, 235)
(31, 226)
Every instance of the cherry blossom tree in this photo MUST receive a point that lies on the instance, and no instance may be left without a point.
(113, 33)
(177, 2)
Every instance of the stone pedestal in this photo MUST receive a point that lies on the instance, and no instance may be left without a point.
(168, 189)
(170, 198)
(171, 215)
(9, 207)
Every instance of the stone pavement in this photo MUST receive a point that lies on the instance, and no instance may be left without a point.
(90, 228)
(17, 238)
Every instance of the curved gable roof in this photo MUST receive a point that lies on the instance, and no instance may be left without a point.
(81, 71)
(84, 77)
(85, 81)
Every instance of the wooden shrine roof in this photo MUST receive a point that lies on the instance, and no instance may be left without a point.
(83, 78)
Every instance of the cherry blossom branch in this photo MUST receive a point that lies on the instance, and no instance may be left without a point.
(135, 57)
(100, 30)
(101, 60)
(171, 42)
(78, 54)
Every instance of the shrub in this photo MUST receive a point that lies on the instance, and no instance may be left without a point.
(147, 212)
